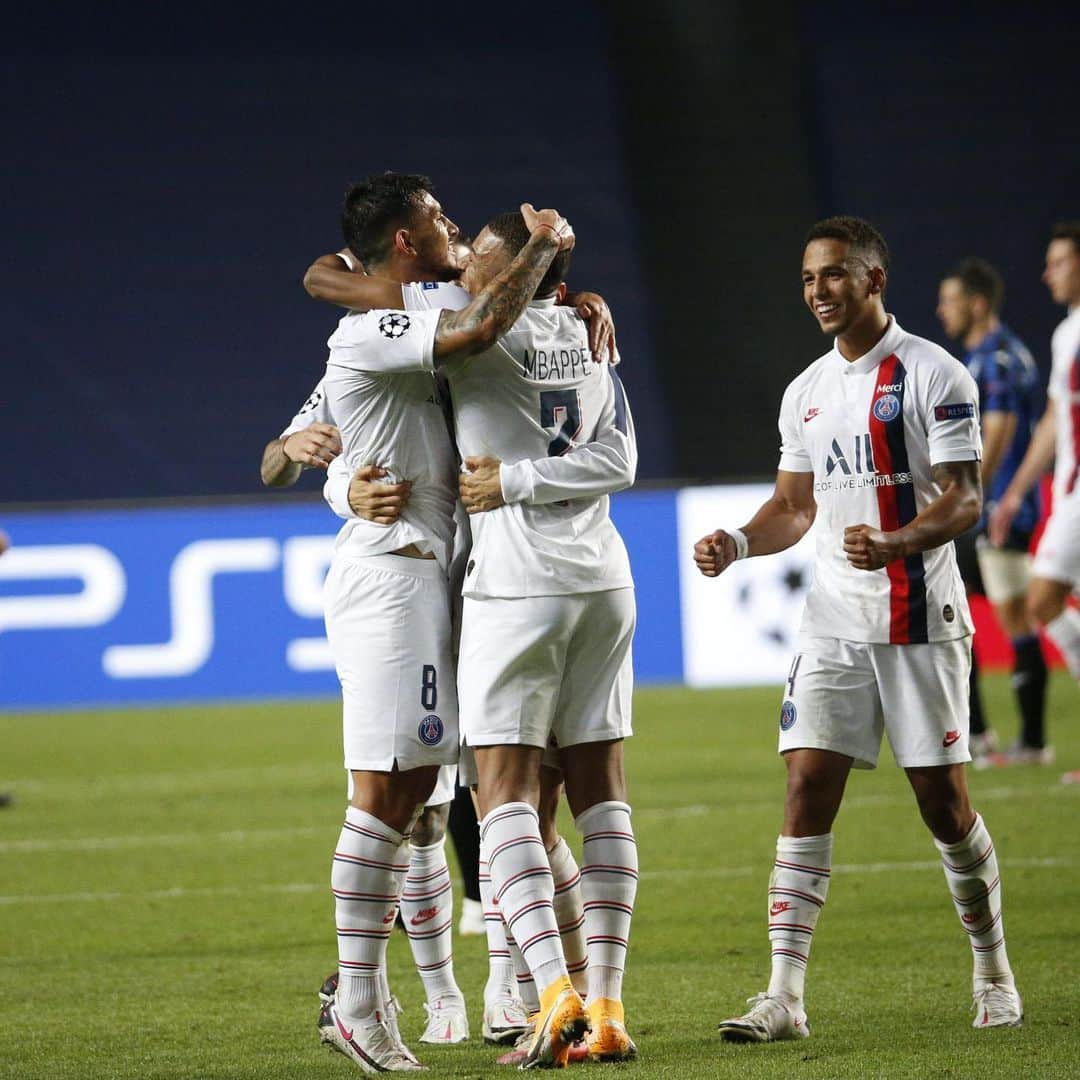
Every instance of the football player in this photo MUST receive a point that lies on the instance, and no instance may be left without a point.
(880, 442)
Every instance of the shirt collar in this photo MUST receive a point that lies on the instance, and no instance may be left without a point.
(888, 344)
(547, 302)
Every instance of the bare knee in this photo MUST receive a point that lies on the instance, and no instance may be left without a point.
(815, 787)
(1045, 602)
(942, 795)
(430, 826)
(551, 788)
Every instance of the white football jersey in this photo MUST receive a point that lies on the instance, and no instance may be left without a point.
(870, 431)
(1064, 389)
(536, 394)
(314, 411)
(392, 415)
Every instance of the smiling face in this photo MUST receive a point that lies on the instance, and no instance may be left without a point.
(842, 290)
(429, 236)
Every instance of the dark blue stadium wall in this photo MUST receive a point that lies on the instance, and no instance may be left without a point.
(171, 175)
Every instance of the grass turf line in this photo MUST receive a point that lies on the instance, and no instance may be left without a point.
(165, 911)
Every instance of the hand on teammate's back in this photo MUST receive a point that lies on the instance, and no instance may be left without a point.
(714, 553)
(549, 219)
(316, 446)
(374, 500)
(594, 310)
(481, 486)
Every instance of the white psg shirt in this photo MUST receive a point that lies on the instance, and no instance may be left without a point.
(314, 411)
(870, 431)
(535, 394)
(538, 394)
(391, 414)
(1064, 389)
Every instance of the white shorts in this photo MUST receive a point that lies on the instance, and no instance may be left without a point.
(1058, 554)
(547, 666)
(388, 624)
(841, 695)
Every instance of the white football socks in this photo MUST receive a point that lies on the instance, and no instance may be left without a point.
(1064, 632)
(971, 871)
(501, 982)
(798, 886)
(368, 871)
(570, 913)
(609, 877)
(427, 910)
(523, 888)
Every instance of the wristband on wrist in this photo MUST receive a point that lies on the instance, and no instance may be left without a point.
(742, 545)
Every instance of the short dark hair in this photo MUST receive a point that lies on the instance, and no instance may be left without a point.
(979, 278)
(864, 240)
(1067, 230)
(511, 229)
(375, 208)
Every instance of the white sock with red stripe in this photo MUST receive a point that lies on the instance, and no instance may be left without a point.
(427, 910)
(369, 867)
(971, 871)
(523, 978)
(1064, 632)
(609, 877)
(521, 877)
(798, 886)
(570, 913)
(500, 981)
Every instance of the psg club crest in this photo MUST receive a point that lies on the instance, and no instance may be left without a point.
(887, 407)
(394, 325)
(430, 730)
(788, 716)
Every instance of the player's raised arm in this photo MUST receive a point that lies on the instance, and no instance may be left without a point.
(781, 522)
(332, 279)
(504, 298)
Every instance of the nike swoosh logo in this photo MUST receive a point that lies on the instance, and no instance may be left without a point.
(424, 916)
(347, 1035)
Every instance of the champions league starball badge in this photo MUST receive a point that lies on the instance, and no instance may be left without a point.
(394, 325)
(887, 407)
(430, 730)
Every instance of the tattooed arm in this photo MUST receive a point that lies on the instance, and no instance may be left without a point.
(503, 299)
(953, 512)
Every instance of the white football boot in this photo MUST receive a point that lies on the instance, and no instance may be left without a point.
(505, 1020)
(997, 1005)
(768, 1020)
(367, 1043)
(448, 1022)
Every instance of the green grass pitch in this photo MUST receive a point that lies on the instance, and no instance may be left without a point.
(164, 903)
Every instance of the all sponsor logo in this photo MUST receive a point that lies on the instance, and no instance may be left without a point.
(430, 730)
(788, 716)
(887, 407)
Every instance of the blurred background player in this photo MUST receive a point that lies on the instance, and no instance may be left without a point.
(1056, 572)
(880, 441)
(969, 305)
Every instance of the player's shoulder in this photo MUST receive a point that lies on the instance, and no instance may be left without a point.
(419, 295)
(810, 375)
(923, 358)
(1067, 334)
